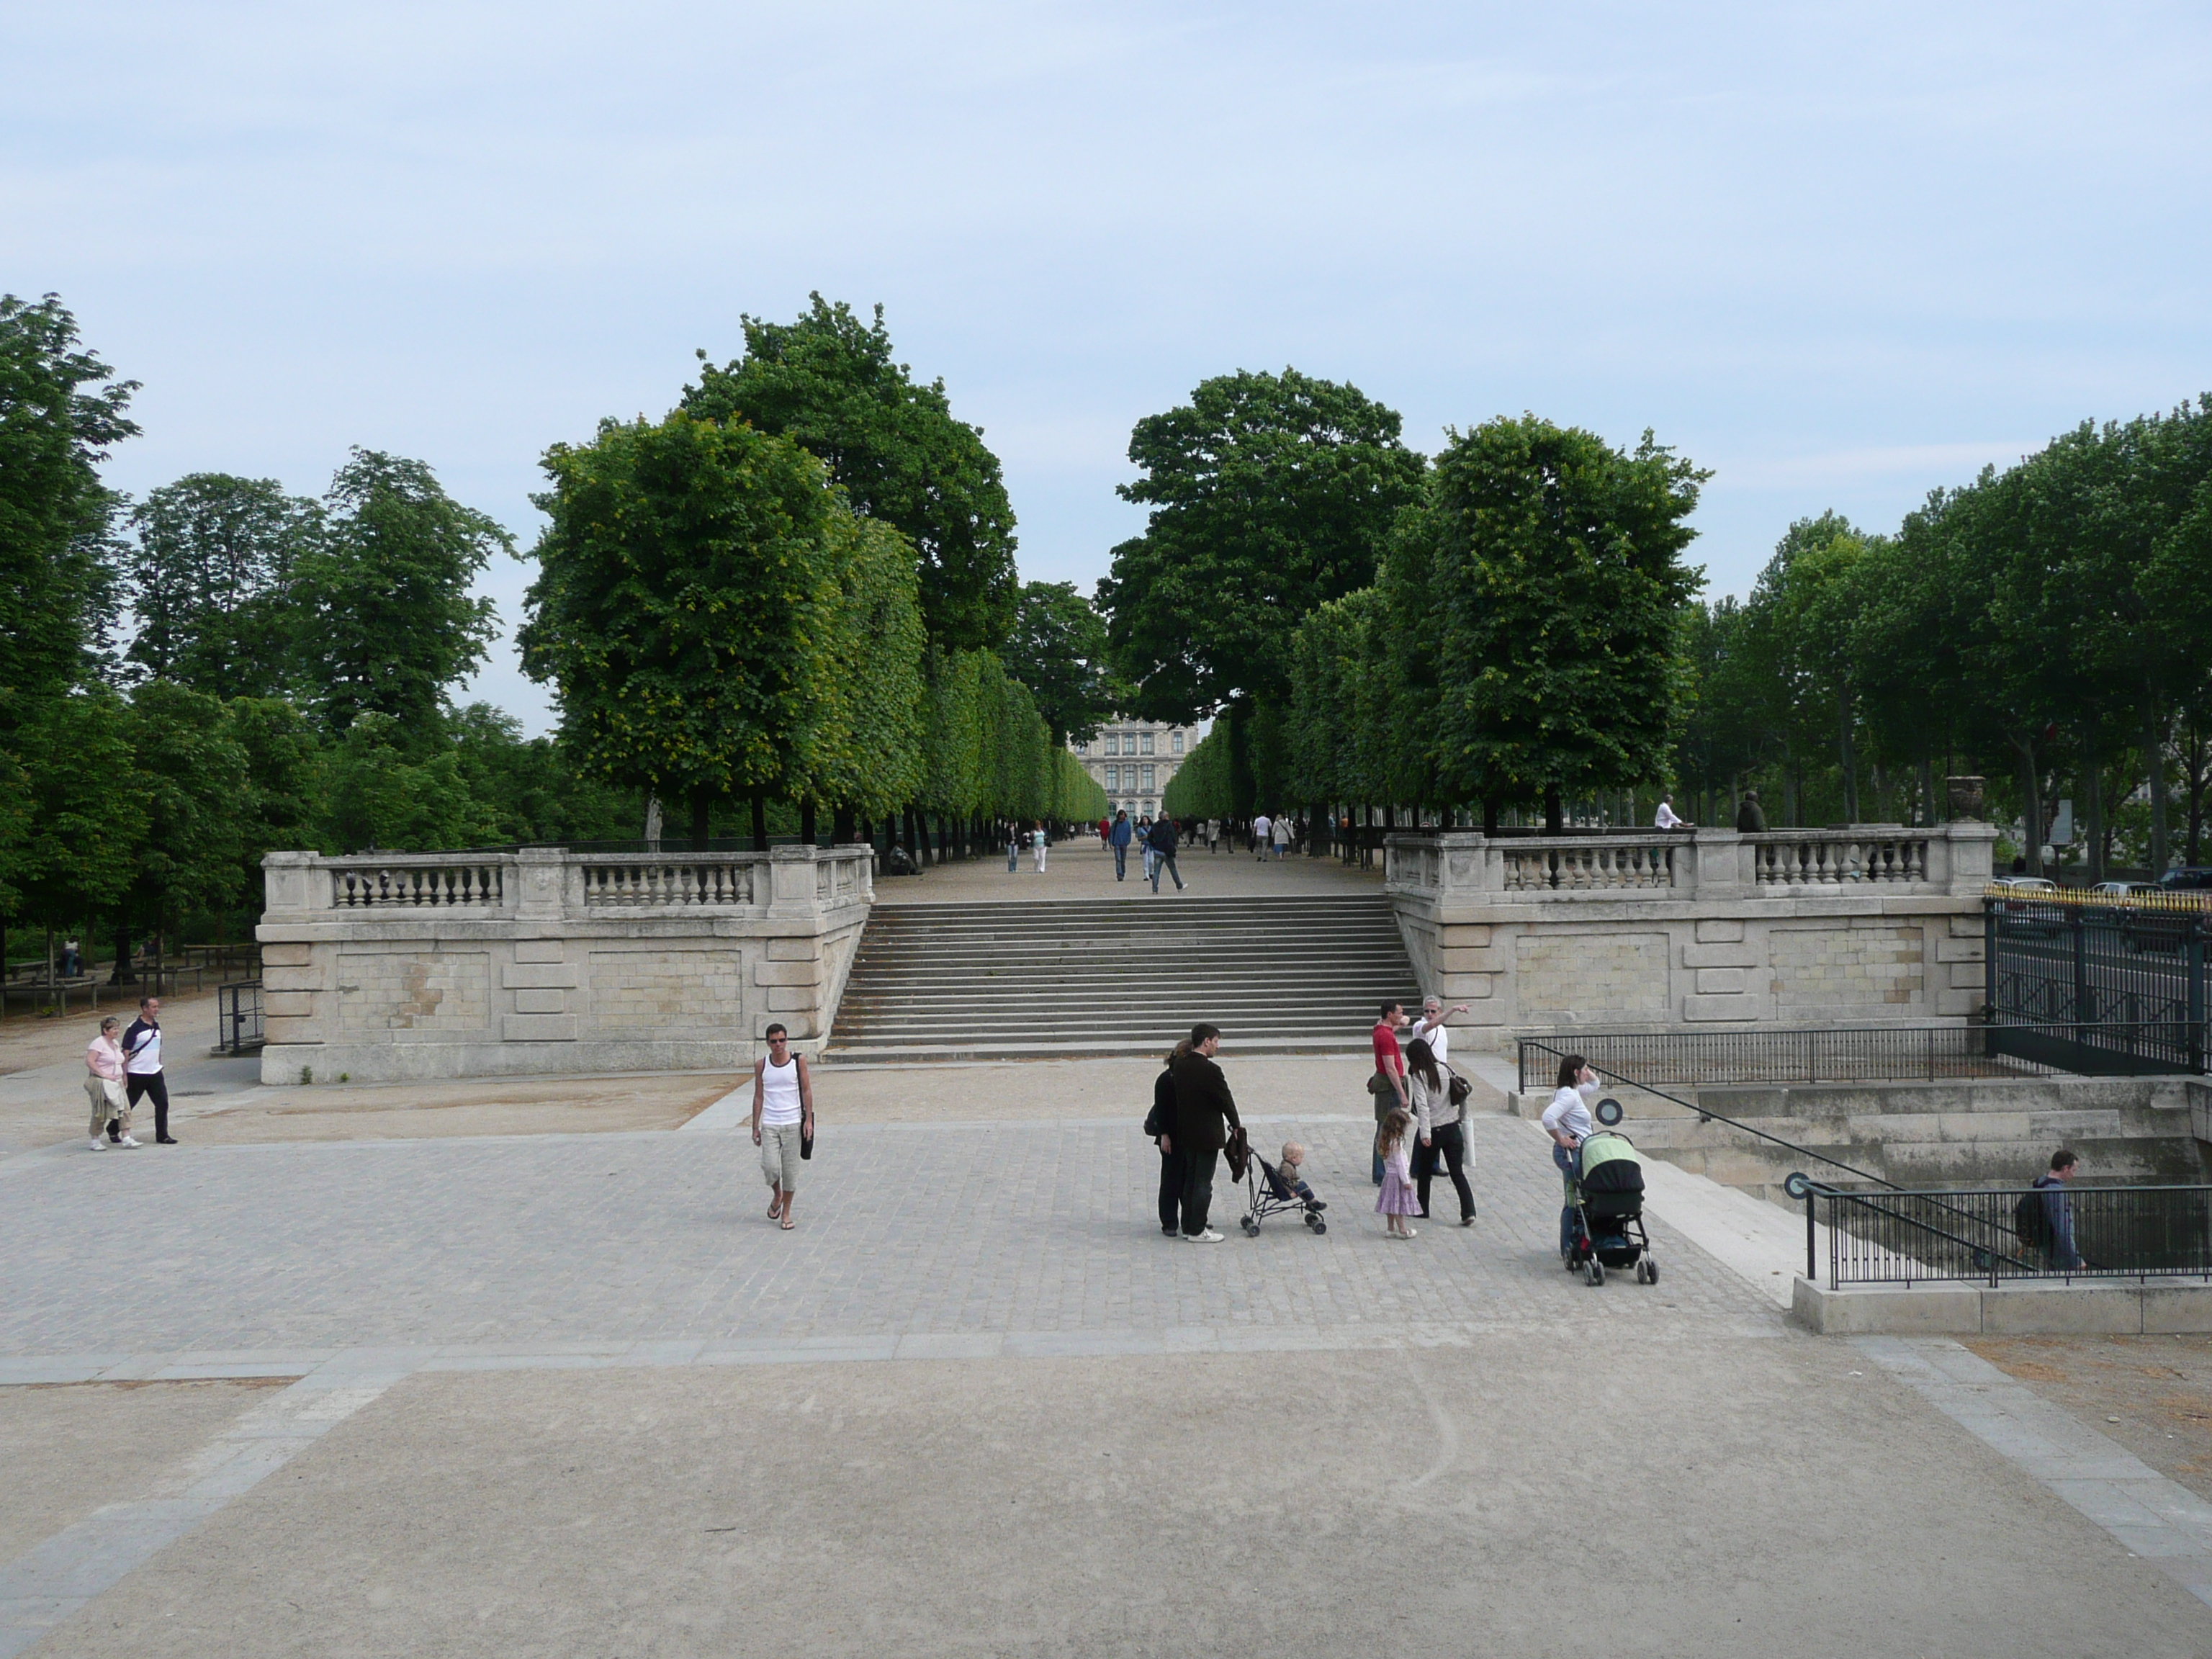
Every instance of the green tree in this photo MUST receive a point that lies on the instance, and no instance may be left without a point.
(1270, 495)
(190, 771)
(1058, 649)
(828, 383)
(58, 418)
(208, 576)
(868, 756)
(87, 819)
(385, 621)
(687, 608)
(381, 790)
(1559, 562)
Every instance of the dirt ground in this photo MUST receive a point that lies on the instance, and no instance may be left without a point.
(29, 1040)
(2151, 1394)
(560, 1105)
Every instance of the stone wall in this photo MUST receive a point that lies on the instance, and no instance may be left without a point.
(435, 965)
(1708, 928)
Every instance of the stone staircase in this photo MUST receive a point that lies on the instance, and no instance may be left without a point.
(1056, 979)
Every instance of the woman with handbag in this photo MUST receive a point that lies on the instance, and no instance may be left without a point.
(111, 1107)
(1440, 1118)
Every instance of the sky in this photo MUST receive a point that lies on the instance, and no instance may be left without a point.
(1841, 255)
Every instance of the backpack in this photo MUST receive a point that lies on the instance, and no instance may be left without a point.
(1160, 1121)
(2031, 1219)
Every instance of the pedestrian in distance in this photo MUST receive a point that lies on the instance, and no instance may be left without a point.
(1174, 1164)
(1119, 839)
(1013, 847)
(1386, 1088)
(103, 1083)
(2059, 1254)
(1397, 1202)
(1040, 841)
(1261, 827)
(141, 1067)
(1664, 818)
(1567, 1120)
(1212, 836)
(1281, 835)
(1205, 1114)
(1162, 845)
(783, 1121)
(1750, 817)
(72, 959)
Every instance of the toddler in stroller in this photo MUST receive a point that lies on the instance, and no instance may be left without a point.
(1275, 1187)
(1609, 1210)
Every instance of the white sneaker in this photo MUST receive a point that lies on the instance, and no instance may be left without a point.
(98, 1145)
(1209, 1236)
(128, 1140)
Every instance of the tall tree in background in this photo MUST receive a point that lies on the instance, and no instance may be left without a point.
(1270, 495)
(828, 383)
(1058, 649)
(385, 624)
(687, 610)
(1558, 561)
(58, 418)
(208, 577)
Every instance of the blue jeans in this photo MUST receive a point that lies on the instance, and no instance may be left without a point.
(1165, 861)
(1566, 1160)
(1121, 860)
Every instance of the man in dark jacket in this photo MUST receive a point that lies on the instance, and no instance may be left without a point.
(1118, 838)
(1750, 817)
(2058, 1252)
(1161, 840)
(1175, 1163)
(1205, 1114)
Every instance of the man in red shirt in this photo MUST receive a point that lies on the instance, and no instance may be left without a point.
(1387, 1085)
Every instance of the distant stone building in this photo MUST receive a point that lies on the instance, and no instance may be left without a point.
(1132, 761)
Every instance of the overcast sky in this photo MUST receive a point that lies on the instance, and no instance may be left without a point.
(1841, 255)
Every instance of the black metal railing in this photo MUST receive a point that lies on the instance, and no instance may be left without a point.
(2100, 987)
(1893, 1237)
(238, 1017)
(1850, 1053)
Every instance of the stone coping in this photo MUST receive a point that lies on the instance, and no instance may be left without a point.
(2081, 1307)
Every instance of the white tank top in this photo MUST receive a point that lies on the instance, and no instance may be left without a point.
(780, 1092)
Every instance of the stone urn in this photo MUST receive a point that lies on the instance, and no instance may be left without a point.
(1965, 797)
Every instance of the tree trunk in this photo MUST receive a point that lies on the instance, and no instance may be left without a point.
(122, 976)
(808, 835)
(2031, 807)
(1554, 811)
(913, 846)
(701, 800)
(1849, 756)
(2194, 758)
(842, 826)
(760, 822)
(2155, 758)
(2093, 788)
(1491, 807)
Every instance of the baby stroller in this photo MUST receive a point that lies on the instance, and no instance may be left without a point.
(1609, 1211)
(1272, 1195)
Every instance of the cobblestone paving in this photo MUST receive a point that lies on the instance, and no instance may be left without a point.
(905, 1230)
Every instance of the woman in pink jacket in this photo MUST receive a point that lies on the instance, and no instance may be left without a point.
(111, 1107)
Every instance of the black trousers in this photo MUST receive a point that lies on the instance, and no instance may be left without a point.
(1450, 1145)
(1174, 1171)
(1198, 1188)
(151, 1083)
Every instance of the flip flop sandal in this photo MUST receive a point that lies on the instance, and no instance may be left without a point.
(776, 1209)
(787, 1223)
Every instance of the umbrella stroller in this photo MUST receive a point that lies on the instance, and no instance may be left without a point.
(1609, 1210)
(1270, 1194)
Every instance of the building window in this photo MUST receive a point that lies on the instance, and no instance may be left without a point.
(1081, 748)
(1113, 744)
(1148, 743)
(1113, 777)
(1174, 741)
(1148, 777)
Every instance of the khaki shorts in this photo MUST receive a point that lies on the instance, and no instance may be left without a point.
(780, 1155)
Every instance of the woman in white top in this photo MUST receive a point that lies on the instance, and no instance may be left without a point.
(783, 1120)
(1440, 1122)
(1038, 842)
(111, 1107)
(1567, 1120)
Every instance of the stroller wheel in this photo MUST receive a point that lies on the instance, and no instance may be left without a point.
(1595, 1272)
(1250, 1226)
(1315, 1222)
(1650, 1270)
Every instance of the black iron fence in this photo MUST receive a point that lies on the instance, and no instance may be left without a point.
(2099, 985)
(1892, 1237)
(238, 1017)
(1850, 1054)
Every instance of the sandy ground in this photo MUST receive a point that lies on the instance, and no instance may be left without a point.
(1083, 869)
(1411, 1503)
(68, 1451)
(29, 1040)
(2152, 1394)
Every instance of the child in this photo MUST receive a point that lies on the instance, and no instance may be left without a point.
(1293, 1172)
(1397, 1199)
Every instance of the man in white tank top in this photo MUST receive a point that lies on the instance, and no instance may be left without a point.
(783, 1120)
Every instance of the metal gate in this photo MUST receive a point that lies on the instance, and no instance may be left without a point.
(2097, 985)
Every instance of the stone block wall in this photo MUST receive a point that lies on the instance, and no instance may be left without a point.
(450, 965)
(1707, 930)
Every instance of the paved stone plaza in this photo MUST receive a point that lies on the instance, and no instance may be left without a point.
(572, 1393)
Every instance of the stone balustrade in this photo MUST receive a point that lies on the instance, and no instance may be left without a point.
(390, 965)
(1647, 929)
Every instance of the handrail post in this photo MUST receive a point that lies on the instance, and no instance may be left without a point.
(1812, 1266)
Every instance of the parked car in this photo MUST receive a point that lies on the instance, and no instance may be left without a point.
(2188, 878)
(2018, 891)
(2117, 889)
